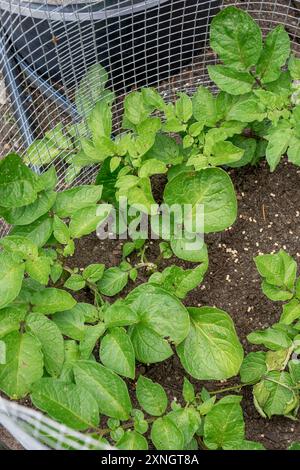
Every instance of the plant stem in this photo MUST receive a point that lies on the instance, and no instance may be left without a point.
(228, 389)
(103, 432)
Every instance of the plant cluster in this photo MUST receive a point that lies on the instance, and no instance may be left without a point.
(77, 360)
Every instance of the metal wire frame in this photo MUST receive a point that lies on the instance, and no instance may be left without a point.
(44, 112)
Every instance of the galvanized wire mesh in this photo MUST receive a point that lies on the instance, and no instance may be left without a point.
(48, 45)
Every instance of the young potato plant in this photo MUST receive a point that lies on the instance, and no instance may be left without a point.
(254, 114)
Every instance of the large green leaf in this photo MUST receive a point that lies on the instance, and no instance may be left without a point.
(90, 336)
(278, 269)
(91, 89)
(187, 420)
(11, 277)
(10, 319)
(71, 322)
(20, 246)
(38, 232)
(165, 149)
(67, 403)
(119, 314)
(275, 54)
(224, 426)
(113, 281)
(165, 435)
(109, 390)
(149, 347)
(253, 367)
(51, 340)
(117, 353)
(212, 350)
(86, 220)
(278, 141)
(18, 184)
(72, 200)
(151, 396)
(28, 214)
(274, 395)
(236, 38)
(212, 188)
(271, 338)
(204, 106)
(171, 321)
(230, 80)
(24, 364)
(52, 300)
(132, 440)
(290, 312)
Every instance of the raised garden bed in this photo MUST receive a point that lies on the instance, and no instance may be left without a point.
(129, 349)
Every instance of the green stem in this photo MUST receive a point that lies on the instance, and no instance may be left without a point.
(228, 389)
(103, 432)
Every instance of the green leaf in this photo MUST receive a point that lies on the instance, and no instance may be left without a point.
(48, 179)
(277, 360)
(165, 149)
(204, 107)
(224, 426)
(93, 272)
(91, 89)
(212, 350)
(294, 369)
(187, 420)
(165, 435)
(246, 108)
(71, 322)
(75, 282)
(224, 153)
(278, 269)
(119, 314)
(151, 396)
(18, 184)
(72, 200)
(10, 319)
(274, 395)
(253, 367)
(184, 107)
(28, 214)
(38, 232)
(152, 98)
(100, 120)
(52, 300)
(61, 231)
(149, 346)
(294, 446)
(24, 364)
(230, 80)
(117, 353)
(67, 403)
(113, 281)
(270, 338)
(109, 390)
(171, 322)
(90, 336)
(41, 152)
(188, 391)
(274, 55)
(86, 220)
(290, 312)
(132, 440)
(236, 38)
(52, 342)
(294, 150)
(19, 246)
(108, 179)
(249, 146)
(294, 67)
(39, 269)
(152, 167)
(11, 277)
(278, 141)
(134, 108)
(190, 249)
(211, 187)
(275, 293)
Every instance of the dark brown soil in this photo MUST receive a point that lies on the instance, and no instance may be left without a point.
(269, 219)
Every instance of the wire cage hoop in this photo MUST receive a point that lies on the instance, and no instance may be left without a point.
(47, 47)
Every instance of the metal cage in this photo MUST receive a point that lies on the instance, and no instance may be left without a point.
(46, 47)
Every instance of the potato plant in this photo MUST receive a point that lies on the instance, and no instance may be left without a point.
(78, 361)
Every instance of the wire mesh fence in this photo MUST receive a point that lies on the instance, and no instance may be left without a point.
(46, 48)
